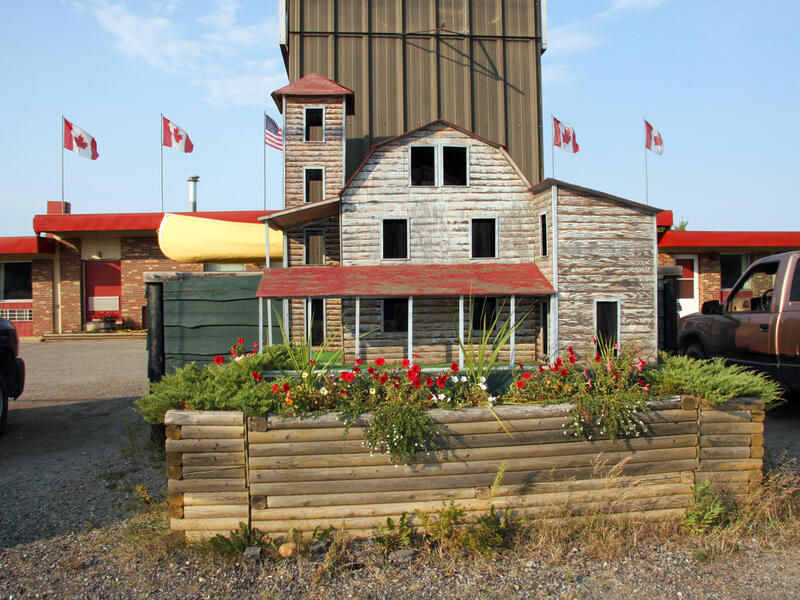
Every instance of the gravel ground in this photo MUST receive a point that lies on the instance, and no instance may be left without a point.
(74, 450)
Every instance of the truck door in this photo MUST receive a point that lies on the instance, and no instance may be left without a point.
(744, 334)
(789, 329)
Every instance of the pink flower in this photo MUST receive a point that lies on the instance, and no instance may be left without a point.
(609, 367)
(640, 364)
(218, 360)
(616, 346)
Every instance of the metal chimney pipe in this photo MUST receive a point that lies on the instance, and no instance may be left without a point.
(193, 179)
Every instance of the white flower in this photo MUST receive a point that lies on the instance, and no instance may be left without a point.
(323, 391)
(483, 379)
(440, 396)
(482, 386)
(372, 391)
(304, 375)
(238, 358)
(463, 379)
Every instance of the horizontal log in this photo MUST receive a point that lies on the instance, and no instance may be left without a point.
(226, 524)
(730, 428)
(175, 512)
(757, 439)
(758, 416)
(205, 485)
(213, 472)
(472, 467)
(735, 404)
(216, 459)
(688, 403)
(756, 451)
(611, 496)
(196, 446)
(721, 440)
(203, 536)
(219, 432)
(481, 453)
(174, 472)
(240, 511)
(733, 416)
(203, 417)
(172, 432)
(729, 476)
(749, 464)
(174, 459)
(175, 499)
(729, 452)
(214, 498)
(473, 492)
(465, 481)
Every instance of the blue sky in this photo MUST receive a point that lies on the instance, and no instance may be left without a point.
(718, 79)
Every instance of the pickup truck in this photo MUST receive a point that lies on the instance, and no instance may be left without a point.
(12, 369)
(758, 323)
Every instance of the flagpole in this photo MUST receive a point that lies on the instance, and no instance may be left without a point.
(644, 146)
(62, 165)
(264, 144)
(552, 147)
(161, 148)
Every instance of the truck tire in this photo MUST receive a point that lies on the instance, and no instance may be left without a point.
(3, 407)
(696, 351)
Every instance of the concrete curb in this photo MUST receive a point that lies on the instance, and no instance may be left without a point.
(65, 337)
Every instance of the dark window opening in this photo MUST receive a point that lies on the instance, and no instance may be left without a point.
(395, 315)
(484, 242)
(730, 266)
(15, 278)
(314, 127)
(315, 248)
(454, 165)
(543, 233)
(545, 323)
(395, 238)
(317, 322)
(423, 170)
(606, 323)
(483, 313)
(313, 185)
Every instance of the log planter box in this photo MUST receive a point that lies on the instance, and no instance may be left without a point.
(276, 474)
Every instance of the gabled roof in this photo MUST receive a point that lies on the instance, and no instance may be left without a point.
(466, 132)
(130, 221)
(584, 191)
(315, 84)
(383, 281)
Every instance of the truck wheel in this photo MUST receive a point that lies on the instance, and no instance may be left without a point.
(695, 351)
(3, 407)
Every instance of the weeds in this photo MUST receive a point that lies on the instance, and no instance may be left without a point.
(234, 545)
(393, 536)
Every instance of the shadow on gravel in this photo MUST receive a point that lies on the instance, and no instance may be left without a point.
(782, 431)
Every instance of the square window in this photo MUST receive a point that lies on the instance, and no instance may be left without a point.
(731, 267)
(483, 313)
(395, 315)
(454, 165)
(423, 165)
(484, 242)
(314, 124)
(16, 281)
(395, 238)
(314, 185)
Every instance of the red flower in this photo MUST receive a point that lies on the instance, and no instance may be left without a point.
(347, 376)
(597, 357)
(371, 370)
(343, 392)
(286, 387)
(255, 347)
(405, 363)
(541, 369)
(257, 376)
(570, 350)
(559, 363)
(572, 359)
(616, 374)
(429, 381)
(383, 378)
(359, 361)
(356, 370)
(411, 374)
(396, 385)
(416, 368)
(520, 384)
(240, 341)
(379, 362)
(564, 372)
(526, 375)
(276, 388)
(454, 367)
(416, 383)
(520, 366)
(415, 356)
(312, 362)
(218, 360)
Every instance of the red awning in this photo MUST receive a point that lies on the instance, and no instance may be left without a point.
(716, 240)
(27, 245)
(381, 281)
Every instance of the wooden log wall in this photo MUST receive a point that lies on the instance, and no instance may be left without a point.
(305, 473)
(206, 472)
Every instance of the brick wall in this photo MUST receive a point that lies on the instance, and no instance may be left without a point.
(71, 288)
(710, 278)
(42, 282)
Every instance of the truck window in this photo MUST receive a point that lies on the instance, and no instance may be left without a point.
(794, 295)
(754, 294)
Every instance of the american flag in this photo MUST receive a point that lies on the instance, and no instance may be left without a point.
(273, 136)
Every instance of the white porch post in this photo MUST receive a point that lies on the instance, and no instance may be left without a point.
(512, 350)
(269, 302)
(287, 325)
(358, 327)
(410, 327)
(461, 332)
(308, 329)
(260, 325)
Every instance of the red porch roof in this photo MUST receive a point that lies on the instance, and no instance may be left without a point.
(381, 281)
(131, 221)
(729, 239)
(314, 84)
(27, 245)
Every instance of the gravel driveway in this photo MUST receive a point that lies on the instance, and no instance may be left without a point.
(74, 450)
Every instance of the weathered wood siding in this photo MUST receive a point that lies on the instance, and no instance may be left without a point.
(299, 153)
(606, 251)
(306, 473)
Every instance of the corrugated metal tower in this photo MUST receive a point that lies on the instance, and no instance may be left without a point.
(475, 63)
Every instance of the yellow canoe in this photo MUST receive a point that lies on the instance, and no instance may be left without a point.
(188, 239)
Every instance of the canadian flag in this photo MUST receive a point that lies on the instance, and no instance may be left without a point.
(652, 139)
(564, 136)
(173, 136)
(77, 140)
